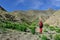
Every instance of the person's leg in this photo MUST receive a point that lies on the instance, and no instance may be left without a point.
(41, 30)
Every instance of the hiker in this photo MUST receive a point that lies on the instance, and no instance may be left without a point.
(40, 26)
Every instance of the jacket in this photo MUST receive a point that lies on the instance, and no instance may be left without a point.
(40, 24)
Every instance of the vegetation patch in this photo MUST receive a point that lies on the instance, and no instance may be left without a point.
(44, 37)
(19, 26)
(51, 28)
(57, 37)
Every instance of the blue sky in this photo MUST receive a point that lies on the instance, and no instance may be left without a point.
(11, 5)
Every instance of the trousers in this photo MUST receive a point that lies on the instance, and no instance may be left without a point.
(40, 30)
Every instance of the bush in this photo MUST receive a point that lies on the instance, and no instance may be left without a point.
(51, 28)
(32, 26)
(23, 27)
(45, 30)
(46, 25)
(44, 37)
(11, 25)
(57, 37)
(32, 29)
(50, 36)
(19, 26)
(57, 30)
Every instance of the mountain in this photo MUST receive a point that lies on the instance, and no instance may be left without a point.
(54, 19)
(11, 30)
(29, 16)
(1, 8)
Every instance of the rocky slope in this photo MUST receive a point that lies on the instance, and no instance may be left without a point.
(29, 16)
(47, 34)
(54, 19)
(16, 35)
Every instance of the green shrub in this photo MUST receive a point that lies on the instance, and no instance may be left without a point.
(32, 26)
(46, 25)
(8, 26)
(57, 30)
(45, 30)
(32, 29)
(56, 27)
(50, 36)
(51, 28)
(44, 37)
(14, 26)
(19, 26)
(23, 27)
(57, 37)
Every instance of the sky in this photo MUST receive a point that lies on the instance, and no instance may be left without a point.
(12, 5)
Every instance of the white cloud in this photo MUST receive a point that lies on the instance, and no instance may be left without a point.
(57, 0)
(36, 4)
(19, 1)
(55, 3)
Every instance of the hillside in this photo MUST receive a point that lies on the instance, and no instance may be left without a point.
(22, 25)
(54, 19)
(29, 15)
